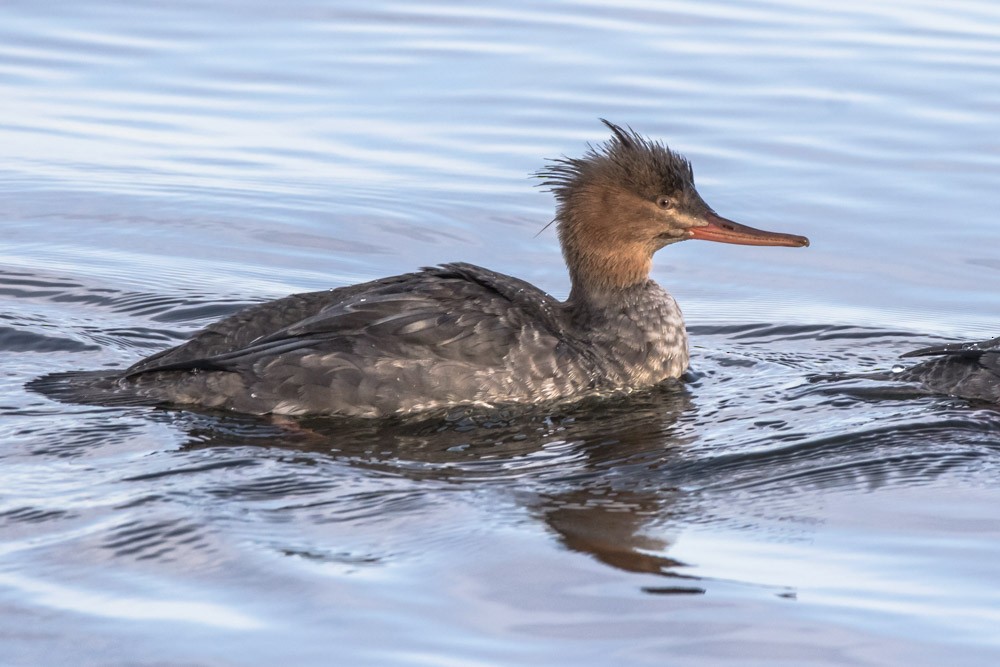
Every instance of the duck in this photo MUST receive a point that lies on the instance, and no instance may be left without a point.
(969, 370)
(459, 334)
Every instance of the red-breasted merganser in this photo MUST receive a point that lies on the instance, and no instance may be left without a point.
(966, 370)
(460, 334)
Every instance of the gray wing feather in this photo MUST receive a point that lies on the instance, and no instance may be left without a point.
(968, 370)
(420, 315)
(974, 349)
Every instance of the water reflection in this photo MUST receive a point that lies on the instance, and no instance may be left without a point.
(609, 525)
(607, 479)
(593, 473)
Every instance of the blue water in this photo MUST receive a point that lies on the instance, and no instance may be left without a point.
(163, 165)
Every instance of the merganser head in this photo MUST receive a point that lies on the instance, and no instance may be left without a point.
(625, 199)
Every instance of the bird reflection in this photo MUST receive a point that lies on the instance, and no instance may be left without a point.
(591, 472)
(610, 527)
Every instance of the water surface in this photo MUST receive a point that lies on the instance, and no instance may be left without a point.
(166, 165)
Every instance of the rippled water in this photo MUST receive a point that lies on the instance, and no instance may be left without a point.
(164, 165)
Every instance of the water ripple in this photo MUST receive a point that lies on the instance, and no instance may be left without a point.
(166, 164)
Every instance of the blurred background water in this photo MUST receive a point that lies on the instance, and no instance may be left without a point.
(164, 164)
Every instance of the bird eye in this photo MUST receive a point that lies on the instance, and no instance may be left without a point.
(664, 202)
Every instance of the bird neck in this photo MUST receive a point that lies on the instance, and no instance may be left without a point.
(603, 253)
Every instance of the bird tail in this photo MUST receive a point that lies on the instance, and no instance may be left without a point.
(87, 388)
